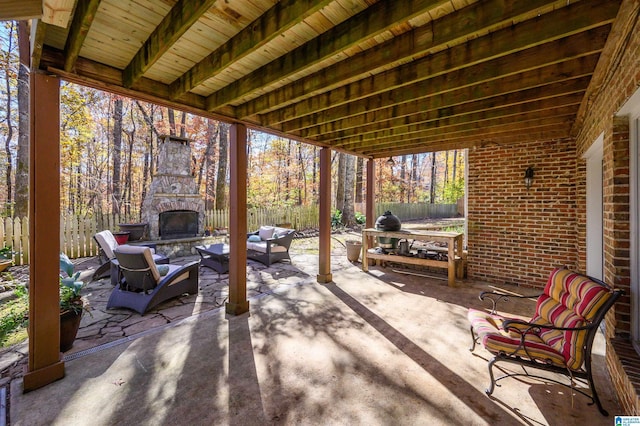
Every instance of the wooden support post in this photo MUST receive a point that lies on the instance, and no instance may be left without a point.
(370, 199)
(44, 364)
(324, 261)
(238, 303)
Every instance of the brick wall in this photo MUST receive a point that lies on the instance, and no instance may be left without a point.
(511, 231)
(518, 235)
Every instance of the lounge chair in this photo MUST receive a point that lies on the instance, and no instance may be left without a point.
(269, 244)
(558, 338)
(106, 245)
(142, 284)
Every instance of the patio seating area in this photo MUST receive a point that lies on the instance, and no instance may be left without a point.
(385, 347)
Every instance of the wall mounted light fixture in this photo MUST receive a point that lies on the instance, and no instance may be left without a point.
(390, 162)
(528, 177)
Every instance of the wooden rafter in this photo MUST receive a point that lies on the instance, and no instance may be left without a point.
(181, 17)
(281, 17)
(509, 41)
(82, 20)
(369, 23)
(469, 112)
(561, 22)
(397, 103)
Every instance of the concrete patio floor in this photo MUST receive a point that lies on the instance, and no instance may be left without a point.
(378, 348)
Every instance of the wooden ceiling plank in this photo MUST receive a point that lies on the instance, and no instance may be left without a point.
(575, 46)
(82, 20)
(278, 19)
(562, 22)
(486, 109)
(180, 18)
(461, 101)
(373, 21)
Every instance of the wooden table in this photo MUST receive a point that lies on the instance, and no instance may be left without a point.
(454, 249)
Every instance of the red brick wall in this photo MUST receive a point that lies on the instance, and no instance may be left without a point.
(518, 235)
(509, 240)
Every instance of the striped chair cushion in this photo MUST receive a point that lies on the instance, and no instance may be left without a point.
(496, 340)
(569, 300)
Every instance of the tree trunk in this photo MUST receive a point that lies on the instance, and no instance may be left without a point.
(287, 174)
(21, 206)
(221, 180)
(209, 164)
(432, 192)
(359, 198)
(117, 154)
(340, 182)
(302, 177)
(9, 124)
(183, 125)
(348, 212)
(414, 178)
(455, 164)
(403, 178)
(172, 122)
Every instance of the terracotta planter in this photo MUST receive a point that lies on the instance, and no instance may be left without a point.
(4, 264)
(69, 324)
(354, 248)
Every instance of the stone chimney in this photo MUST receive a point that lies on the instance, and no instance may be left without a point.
(173, 194)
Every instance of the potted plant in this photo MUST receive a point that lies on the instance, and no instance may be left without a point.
(6, 258)
(71, 303)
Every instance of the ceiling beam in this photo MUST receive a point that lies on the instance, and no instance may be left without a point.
(447, 130)
(82, 20)
(460, 102)
(487, 109)
(479, 138)
(179, 19)
(392, 105)
(275, 21)
(21, 10)
(38, 31)
(561, 22)
(369, 23)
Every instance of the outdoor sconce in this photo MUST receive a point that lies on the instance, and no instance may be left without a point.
(528, 177)
(390, 162)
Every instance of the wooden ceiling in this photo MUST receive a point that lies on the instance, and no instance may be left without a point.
(373, 78)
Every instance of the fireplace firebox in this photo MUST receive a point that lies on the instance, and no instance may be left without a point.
(178, 224)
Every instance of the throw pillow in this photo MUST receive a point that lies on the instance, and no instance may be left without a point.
(163, 269)
(266, 232)
(254, 238)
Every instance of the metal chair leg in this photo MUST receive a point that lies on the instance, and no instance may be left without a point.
(489, 391)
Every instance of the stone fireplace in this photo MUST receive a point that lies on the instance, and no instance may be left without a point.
(173, 207)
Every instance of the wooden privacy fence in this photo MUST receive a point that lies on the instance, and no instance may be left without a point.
(76, 231)
(413, 211)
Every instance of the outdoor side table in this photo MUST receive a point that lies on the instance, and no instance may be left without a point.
(215, 256)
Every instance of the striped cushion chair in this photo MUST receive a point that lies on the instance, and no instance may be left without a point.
(560, 335)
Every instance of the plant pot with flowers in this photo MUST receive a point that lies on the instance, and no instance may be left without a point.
(72, 304)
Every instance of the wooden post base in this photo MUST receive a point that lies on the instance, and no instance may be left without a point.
(237, 308)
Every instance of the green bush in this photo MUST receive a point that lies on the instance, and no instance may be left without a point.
(13, 318)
